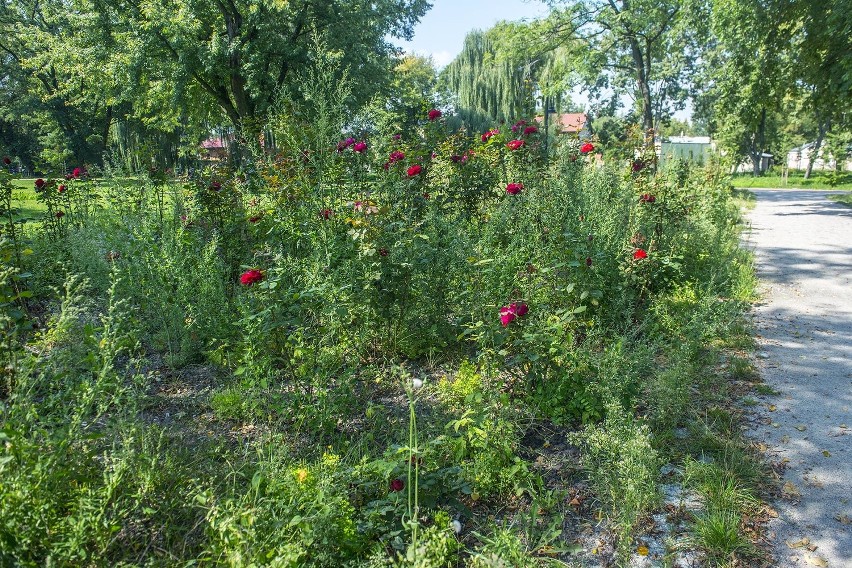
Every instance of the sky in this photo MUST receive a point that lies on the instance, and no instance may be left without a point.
(442, 30)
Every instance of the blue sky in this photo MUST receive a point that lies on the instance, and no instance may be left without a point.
(442, 30)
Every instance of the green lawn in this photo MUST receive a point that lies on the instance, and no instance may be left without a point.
(24, 200)
(795, 181)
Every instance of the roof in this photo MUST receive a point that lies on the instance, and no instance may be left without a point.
(569, 122)
(213, 143)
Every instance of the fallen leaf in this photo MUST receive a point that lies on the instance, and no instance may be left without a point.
(772, 408)
(826, 453)
(843, 426)
(801, 427)
(799, 543)
(816, 561)
(575, 502)
(789, 490)
(812, 547)
(785, 439)
(843, 519)
(642, 550)
(762, 447)
(775, 425)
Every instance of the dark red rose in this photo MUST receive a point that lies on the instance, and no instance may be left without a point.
(250, 277)
(60, 214)
(530, 130)
(434, 114)
(326, 214)
(215, 186)
(514, 188)
(397, 485)
(39, 183)
(60, 189)
(254, 219)
(7, 160)
(588, 261)
(414, 170)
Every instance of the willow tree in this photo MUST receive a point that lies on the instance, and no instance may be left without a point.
(488, 85)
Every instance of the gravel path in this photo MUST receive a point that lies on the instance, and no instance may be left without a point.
(803, 245)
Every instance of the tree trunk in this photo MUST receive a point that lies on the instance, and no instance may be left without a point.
(639, 65)
(814, 154)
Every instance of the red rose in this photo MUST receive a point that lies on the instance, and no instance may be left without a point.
(254, 219)
(250, 277)
(514, 188)
(344, 144)
(489, 134)
(515, 144)
(586, 148)
(77, 172)
(434, 114)
(640, 254)
(396, 156)
(507, 315)
(521, 309)
(327, 213)
(414, 170)
(397, 485)
(530, 130)
(360, 147)
(455, 158)
(39, 183)
(60, 214)
(647, 198)
(61, 189)
(7, 160)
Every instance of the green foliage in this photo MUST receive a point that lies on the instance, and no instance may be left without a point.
(623, 466)
(323, 294)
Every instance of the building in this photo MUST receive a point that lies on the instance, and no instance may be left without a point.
(214, 148)
(798, 158)
(696, 149)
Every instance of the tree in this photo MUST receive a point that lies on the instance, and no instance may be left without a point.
(749, 70)
(645, 47)
(824, 66)
(242, 53)
(488, 88)
(48, 89)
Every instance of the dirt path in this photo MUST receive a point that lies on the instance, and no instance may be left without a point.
(803, 244)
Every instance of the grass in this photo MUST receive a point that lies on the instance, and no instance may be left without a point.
(844, 198)
(795, 180)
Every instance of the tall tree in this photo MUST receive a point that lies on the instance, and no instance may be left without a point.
(489, 87)
(824, 66)
(47, 45)
(645, 47)
(241, 53)
(750, 70)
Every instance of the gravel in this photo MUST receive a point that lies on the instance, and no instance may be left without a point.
(803, 247)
